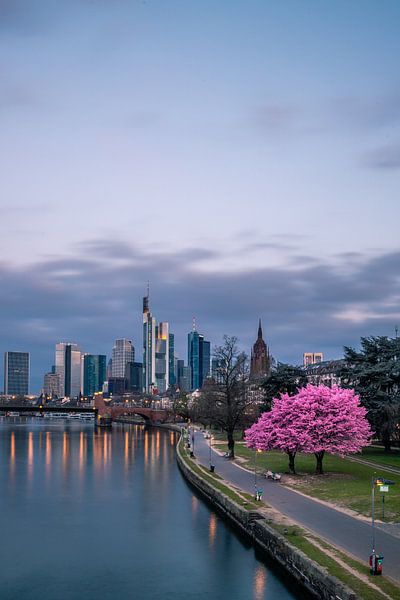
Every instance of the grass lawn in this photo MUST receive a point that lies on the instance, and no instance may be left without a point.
(379, 456)
(345, 482)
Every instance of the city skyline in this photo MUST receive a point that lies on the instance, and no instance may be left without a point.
(244, 180)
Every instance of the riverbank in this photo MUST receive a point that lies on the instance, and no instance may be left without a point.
(320, 568)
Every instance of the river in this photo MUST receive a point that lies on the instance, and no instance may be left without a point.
(105, 514)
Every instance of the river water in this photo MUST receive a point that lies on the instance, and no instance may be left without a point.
(95, 514)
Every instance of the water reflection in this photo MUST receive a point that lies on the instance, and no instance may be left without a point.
(260, 580)
(82, 452)
(195, 505)
(212, 529)
(30, 457)
(48, 452)
(12, 455)
(123, 506)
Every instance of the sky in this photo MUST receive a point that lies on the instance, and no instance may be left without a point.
(243, 156)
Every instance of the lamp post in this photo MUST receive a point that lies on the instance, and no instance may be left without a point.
(255, 472)
(212, 467)
(192, 448)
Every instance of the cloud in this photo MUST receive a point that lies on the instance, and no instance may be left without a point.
(367, 113)
(95, 299)
(383, 158)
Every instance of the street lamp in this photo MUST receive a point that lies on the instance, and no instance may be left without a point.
(257, 450)
(192, 450)
(212, 467)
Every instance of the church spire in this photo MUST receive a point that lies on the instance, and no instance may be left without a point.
(259, 330)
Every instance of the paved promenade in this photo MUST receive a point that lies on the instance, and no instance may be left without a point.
(343, 531)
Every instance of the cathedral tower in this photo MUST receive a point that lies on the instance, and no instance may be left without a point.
(260, 364)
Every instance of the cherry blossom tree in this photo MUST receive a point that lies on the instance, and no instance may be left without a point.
(279, 428)
(317, 419)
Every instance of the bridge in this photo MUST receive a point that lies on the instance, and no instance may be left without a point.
(42, 408)
(152, 416)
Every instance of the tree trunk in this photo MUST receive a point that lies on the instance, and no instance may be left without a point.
(231, 444)
(387, 442)
(319, 456)
(291, 456)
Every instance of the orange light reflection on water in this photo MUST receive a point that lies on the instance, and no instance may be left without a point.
(65, 450)
(12, 454)
(30, 456)
(82, 452)
(195, 505)
(260, 580)
(146, 448)
(48, 451)
(126, 449)
(212, 530)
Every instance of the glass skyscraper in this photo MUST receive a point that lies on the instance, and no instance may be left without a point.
(16, 373)
(94, 373)
(68, 367)
(149, 348)
(123, 354)
(198, 359)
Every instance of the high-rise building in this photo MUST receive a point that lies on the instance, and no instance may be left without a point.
(162, 357)
(68, 367)
(198, 359)
(183, 376)
(149, 348)
(123, 353)
(135, 377)
(16, 373)
(172, 375)
(260, 362)
(94, 368)
(51, 385)
(312, 358)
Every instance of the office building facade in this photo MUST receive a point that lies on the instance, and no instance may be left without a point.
(68, 368)
(198, 359)
(51, 385)
(16, 373)
(94, 373)
(149, 348)
(312, 358)
(123, 353)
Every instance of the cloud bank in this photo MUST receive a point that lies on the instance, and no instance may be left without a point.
(96, 297)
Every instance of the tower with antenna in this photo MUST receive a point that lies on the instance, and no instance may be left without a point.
(149, 345)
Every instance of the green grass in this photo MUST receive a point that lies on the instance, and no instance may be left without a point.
(377, 455)
(345, 482)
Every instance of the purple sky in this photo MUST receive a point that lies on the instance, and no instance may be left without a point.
(243, 156)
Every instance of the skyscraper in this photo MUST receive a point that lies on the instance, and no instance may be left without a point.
(51, 385)
(16, 373)
(182, 376)
(93, 373)
(260, 362)
(149, 348)
(172, 375)
(162, 357)
(198, 359)
(123, 353)
(68, 367)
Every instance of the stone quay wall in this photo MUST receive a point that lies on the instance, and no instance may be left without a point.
(254, 525)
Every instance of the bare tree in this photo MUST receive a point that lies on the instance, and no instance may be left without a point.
(224, 399)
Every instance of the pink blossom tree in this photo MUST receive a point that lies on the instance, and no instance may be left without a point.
(317, 419)
(280, 429)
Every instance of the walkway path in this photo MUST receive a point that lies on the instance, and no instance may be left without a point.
(378, 466)
(343, 531)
